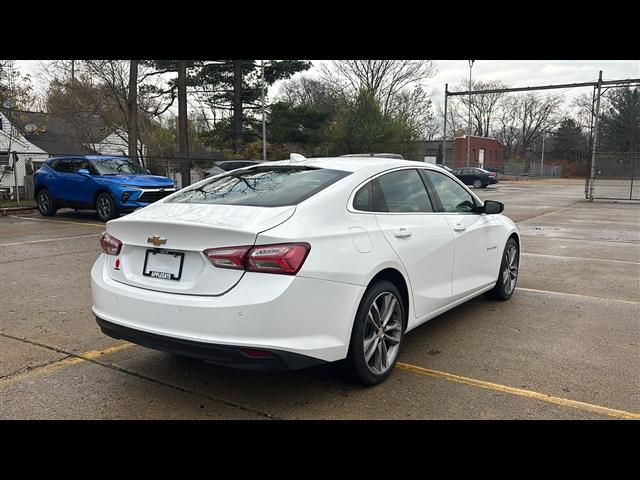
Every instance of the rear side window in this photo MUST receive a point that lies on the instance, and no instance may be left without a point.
(402, 191)
(262, 187)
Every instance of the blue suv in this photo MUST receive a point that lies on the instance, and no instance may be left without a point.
(109, 185)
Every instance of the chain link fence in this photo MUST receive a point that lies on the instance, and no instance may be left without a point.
(616, 176)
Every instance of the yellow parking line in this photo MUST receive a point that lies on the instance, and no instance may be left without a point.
(65, 362)
(59, 221)
(587, 407)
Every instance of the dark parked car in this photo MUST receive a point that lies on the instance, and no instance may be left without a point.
(109, 185)
(478, 177)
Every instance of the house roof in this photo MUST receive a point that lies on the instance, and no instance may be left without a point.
(52, 134)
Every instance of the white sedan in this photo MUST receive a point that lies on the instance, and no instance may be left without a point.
(295, 263)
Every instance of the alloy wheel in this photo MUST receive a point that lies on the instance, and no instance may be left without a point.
(104, 207)
(510, 271)
(43, 202)
(382, 333)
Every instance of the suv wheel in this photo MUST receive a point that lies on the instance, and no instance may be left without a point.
(45, 203)
(106, 207)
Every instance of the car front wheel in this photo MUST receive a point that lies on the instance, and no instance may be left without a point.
(377, 334)
(508, 277)
(106, 207)
(45, 203)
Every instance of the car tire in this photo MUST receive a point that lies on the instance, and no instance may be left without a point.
(45, 203)
(368, 338)
(477, 183)
(508, 276)
(106, 207)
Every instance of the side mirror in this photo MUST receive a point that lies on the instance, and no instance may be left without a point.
(492, 207)
(84, 172)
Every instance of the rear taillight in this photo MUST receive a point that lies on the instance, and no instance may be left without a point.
(282, 258)
(230, 257)
(110, 244)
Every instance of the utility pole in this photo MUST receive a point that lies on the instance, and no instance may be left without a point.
(595, 138)
(183, 131)
(133, 110)
(264, 126)
(469, 123)
(444, 130)
(542, 158)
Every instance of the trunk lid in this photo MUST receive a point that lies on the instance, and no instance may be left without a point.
(182, 232)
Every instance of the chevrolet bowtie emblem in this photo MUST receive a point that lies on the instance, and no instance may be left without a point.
(157, 241)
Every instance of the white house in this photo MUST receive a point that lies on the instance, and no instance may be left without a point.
(33, 137)
(117, 143)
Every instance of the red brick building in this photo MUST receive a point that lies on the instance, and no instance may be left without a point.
(485, 152)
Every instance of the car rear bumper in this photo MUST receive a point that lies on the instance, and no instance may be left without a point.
(226, 355)
(280, 313)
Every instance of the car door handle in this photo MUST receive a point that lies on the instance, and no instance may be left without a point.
(458, 227)
(402, 233)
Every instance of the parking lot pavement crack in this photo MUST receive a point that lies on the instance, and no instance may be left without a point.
(186, 390)
(567, 207)
(28, 368)
(74, 358)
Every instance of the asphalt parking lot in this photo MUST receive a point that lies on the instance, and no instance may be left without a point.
(566, 346)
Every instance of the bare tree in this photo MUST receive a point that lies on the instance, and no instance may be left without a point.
(384, 79)
(484, 106)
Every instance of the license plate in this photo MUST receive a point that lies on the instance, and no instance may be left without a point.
(163, 265)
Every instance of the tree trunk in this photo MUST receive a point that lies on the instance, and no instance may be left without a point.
(237, 105)
(133, 110)
(183, 133)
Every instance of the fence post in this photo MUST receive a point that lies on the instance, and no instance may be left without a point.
(595, 139)
(16, 188)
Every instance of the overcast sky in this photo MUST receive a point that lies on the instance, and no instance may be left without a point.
(516, 73)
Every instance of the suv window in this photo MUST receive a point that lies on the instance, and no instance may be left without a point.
(79, 163)
(64, 165)
(401, 191)
(453, 197)
(261, 186)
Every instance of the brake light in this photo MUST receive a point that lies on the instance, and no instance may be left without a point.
(110, 244)
(229, 257)
(282, 258)
(285, 258)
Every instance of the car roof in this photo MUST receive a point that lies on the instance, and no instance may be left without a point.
(354, 164)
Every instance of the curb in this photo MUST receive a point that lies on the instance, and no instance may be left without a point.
(4, 211)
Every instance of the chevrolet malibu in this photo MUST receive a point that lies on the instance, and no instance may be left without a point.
(295, 263)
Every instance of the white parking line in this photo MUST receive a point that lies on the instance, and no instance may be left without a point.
(562, 294)
(579, 258)
(58, 221)
(50, 239)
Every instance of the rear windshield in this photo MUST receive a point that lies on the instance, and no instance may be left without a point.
(261, 187)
